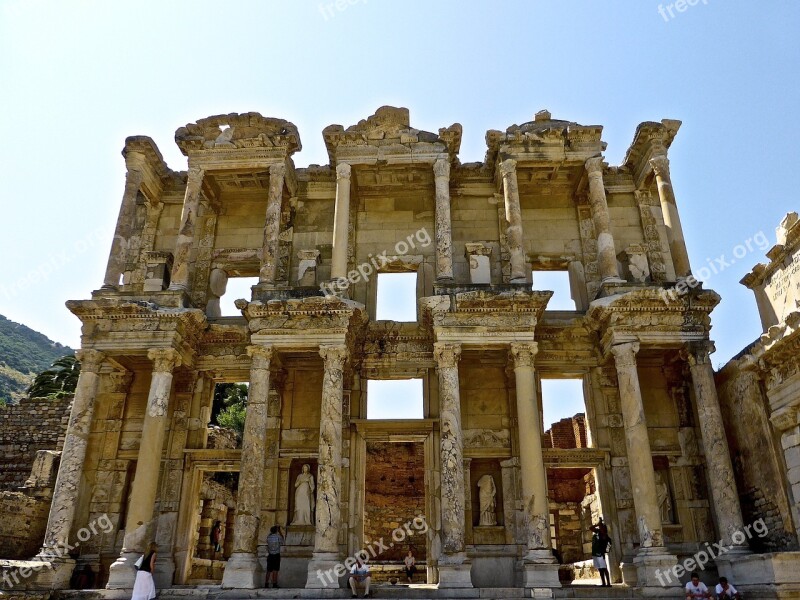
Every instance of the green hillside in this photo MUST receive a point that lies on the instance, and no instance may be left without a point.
(23, 353)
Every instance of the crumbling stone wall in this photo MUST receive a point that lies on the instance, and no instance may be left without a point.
(33, 424)
(22, 526)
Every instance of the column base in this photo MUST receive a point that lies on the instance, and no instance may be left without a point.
(454, 571)
(243, 571)
(324, 570)
(164, 573)
(654, 575)
(55, 574)
(725, 562)
(540, 575)
(122, 574)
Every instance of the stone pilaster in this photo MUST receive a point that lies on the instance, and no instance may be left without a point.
(444, 231)
(672, 220)
(70, 470)
(652, 558)
(118, 258)
(539, 565)
(722, 481)
(272, 225)
(140, 519)
(508, 171)
(341, 222)
(186, 232)
(606, 251)
(329, 473)
(453, 564)
(243, 569)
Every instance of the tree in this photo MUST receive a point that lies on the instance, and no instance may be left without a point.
(59, 380)
(231, 400)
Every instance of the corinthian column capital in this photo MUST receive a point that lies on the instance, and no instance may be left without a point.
(508, 167)
(277, 170)
(698, 353)
(195, 175)
(91, 360)
(334, 355)
(625, 354)
(446, 355)
(164, 359)
(343, 171)
(441, 168)
(261, 356)
(523, 353)
(594, 166)
(660, 165)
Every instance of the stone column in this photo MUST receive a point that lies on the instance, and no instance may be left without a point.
(722, 481)
(118, 258)
(243, 569)
(453, 564)
(652, 558)
(70, 470)
(540, 568)
(606, 251)
(341, 222)
(508, 170)
(186, 233)
(141, 517)
(329, 471)
(272, 225)
(672, 221)
(444, 234)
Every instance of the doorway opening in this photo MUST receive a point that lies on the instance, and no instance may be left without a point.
(212, 539)
(394, 510)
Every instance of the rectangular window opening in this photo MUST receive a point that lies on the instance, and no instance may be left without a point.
(237, 288)
(564, 414)
(558, 283)
(397, 297)
(395, 399)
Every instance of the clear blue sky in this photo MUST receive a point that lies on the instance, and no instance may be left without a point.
(79, 76)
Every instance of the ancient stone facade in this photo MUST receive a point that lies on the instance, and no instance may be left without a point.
(394, 199)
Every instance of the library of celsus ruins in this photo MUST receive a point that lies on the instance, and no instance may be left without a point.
(476, 483)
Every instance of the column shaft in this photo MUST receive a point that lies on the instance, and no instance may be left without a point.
(724, 496)
(444, 234)
(329, 476)
(606, 251)
(508, 170)
(341, 222)
(188, 227)
(536, 520)
(452, 449)
(637, 441)
(70, 469)
(272, 224)
(118, 257)
(672, 221)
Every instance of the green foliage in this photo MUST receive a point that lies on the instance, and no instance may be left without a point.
(231, 400)
(60, 379)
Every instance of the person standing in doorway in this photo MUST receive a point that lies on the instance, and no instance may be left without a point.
(599, 549)
(410, 563)
(216, 533)
(274, 543)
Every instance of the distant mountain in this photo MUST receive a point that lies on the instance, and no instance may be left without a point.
(23, 353)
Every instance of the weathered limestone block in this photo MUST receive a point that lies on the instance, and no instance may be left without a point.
(307, 267)
(479, 258)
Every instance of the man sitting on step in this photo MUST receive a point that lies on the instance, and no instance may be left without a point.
(359, 576)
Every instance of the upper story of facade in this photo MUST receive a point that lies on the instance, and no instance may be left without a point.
(393, 199)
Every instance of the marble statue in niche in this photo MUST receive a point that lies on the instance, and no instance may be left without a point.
(303, 497)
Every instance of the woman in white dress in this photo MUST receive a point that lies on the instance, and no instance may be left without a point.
(144, 588)
(303, 497)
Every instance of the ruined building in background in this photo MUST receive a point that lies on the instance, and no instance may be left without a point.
(477, 237)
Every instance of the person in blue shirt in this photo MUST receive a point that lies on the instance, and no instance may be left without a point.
(274, 543)
(359, 576)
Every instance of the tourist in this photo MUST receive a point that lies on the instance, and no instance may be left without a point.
(600, 529)
(599, 549)
(696, 588)
(144, 588)
(216, 533)
(410, 563)
(274, 542)
(725, 591)
(359, 576)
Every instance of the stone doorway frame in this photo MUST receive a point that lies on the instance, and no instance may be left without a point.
(424, 431)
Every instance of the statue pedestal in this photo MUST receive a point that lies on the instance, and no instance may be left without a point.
(300, 535)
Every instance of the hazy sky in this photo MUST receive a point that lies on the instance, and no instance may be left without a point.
(78, 77)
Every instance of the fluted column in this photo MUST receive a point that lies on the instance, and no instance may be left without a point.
(243, 569)
(508, 170)
(272, 224)
(444, 230)
(329, 471)
(724, 496)
(186, 232)
(118, 257)
(341, 222)
(140, 519)
(672, 221)
(606, 251)
(453, 569)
